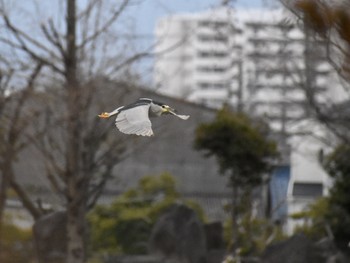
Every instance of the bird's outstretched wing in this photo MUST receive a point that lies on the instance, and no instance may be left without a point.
(135, 120)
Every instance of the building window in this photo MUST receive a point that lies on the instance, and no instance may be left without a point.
(307, 189)
(211, 69)
(214, 54)
(204, 85)
(212, 38)
(212, 24)
(207, 85)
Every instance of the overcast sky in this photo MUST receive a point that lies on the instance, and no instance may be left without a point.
(140, 19)
(146, 14)
(149, 11)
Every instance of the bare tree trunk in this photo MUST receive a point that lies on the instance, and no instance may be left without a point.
(35, 212)
(61, 54)
(75, 234)
(5, 182)
(234, 217)
(12, 130)
(76, 187)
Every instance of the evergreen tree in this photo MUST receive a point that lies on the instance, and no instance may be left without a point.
(244, 153)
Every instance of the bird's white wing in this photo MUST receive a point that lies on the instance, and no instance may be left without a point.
(135, 120)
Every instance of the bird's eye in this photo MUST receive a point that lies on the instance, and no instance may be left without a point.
(163, 106)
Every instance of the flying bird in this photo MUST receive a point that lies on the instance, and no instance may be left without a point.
(134, 118)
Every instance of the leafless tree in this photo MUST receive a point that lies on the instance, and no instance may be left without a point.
(14, 121)
(72, 49)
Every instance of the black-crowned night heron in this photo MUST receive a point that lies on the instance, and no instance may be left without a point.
(134, 118)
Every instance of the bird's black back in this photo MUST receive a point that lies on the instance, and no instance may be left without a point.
(137, 103)
(149, 101)
(140, 102)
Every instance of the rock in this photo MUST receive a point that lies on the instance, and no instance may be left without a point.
(179, 237)
(293, 250)
(329, 252)
(50, 237)
(300, 249)
(214, 236)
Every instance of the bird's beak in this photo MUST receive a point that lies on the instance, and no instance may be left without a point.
(167, 110)
(104, 115)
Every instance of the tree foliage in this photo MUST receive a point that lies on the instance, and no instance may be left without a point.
(244, 152)
(125, 226)
(338, 167)
(315, 221)
(330, 216)
(240, 145)
(17, 243)
(254, 234)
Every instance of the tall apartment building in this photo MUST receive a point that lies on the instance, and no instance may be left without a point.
(259, 60)
(199, 58)
(282, 61)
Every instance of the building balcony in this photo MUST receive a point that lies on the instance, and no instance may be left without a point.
(208, 63)
(255, 55)
(211, 46)
(281, 40)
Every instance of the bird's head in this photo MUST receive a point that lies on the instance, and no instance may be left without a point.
(167, 109)
(104, 115)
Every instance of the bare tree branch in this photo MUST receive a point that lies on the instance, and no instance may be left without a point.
(22, 37)
(88, 9)
(106, 25)
(25, 199)
(53, 37)
(85, 31)
(10, 140)
(22, 46)
(54, 182)
(147, 53)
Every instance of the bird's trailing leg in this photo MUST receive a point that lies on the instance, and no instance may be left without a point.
(183, 117)
(104, 115)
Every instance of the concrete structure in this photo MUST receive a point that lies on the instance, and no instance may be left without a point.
(308, 181)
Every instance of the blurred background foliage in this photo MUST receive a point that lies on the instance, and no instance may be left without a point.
(246, 153)
(254, 234)
(18, 245)
(124, 227)
(240, 145)
(330, 216)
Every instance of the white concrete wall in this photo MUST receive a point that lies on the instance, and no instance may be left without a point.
(305, 168)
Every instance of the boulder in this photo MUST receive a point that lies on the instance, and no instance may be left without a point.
(50, 237)
(179, 237)
(300, 249)
(214, 236)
